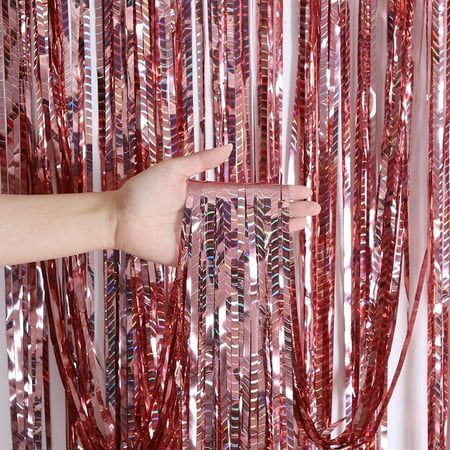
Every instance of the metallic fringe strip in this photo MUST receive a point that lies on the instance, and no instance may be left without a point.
(347, 222)
(363, 190)
(438, 164)
(229, 54)
(270, 95)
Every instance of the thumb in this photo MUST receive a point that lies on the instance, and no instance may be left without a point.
(201, 161)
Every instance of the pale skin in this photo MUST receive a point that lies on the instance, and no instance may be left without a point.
(142, 218)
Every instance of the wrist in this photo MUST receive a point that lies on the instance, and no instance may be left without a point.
(110, 219)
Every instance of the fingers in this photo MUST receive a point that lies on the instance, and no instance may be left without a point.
(201, 161)
(303, 208)
(298, 192)
(297, 223)
(299, 207)
(298, 210)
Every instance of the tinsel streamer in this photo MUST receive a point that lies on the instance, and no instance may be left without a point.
(42, 136)
(115, 56)
(270, 95)
(107, 158)
(133, 269)
(397, 126)
(346, 187)
(199, 53)
(230, 79)
(363, 190)
(303, 130)
(15, 120)
(237, 253)
(73, 173)
(326, 175)
(403, 125)
(68, 308)
(184, 75)
(318, 171)
(438, 158)
(166, 37)
(46, 142)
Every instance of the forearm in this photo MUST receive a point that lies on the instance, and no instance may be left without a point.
(40, 227)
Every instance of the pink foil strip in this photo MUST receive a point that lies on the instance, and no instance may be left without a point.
(305, 168)
(74, 268)
(325, 171)
(113, 93)
(32, 341)
(361, 268)
(365, 164)
(399, 122)
(11, 182)
(270, 95)
(230, 78)
(438, 173)
(45, 143)
(346, 187)
(131, 127)
(113, 151)
(199, 54)
(108, 169)
(184, 75)
(76, 176)
(445, 248)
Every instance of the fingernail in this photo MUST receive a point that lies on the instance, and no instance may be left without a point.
(316, 208)
(221, 146)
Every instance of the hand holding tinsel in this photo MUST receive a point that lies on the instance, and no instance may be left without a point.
(149, 206)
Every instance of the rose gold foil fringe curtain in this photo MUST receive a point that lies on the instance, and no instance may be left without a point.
(167, 75)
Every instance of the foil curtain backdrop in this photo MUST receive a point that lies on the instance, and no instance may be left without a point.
(170, 78)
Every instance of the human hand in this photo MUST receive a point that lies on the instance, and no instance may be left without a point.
(149, 206)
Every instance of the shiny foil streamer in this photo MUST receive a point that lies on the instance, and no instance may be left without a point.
(438, 161)
(218, 352)
(268, 120)
(54, 105)
(363, 189)
(228, 42)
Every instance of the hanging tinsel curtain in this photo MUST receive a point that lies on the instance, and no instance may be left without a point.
(93, 92)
